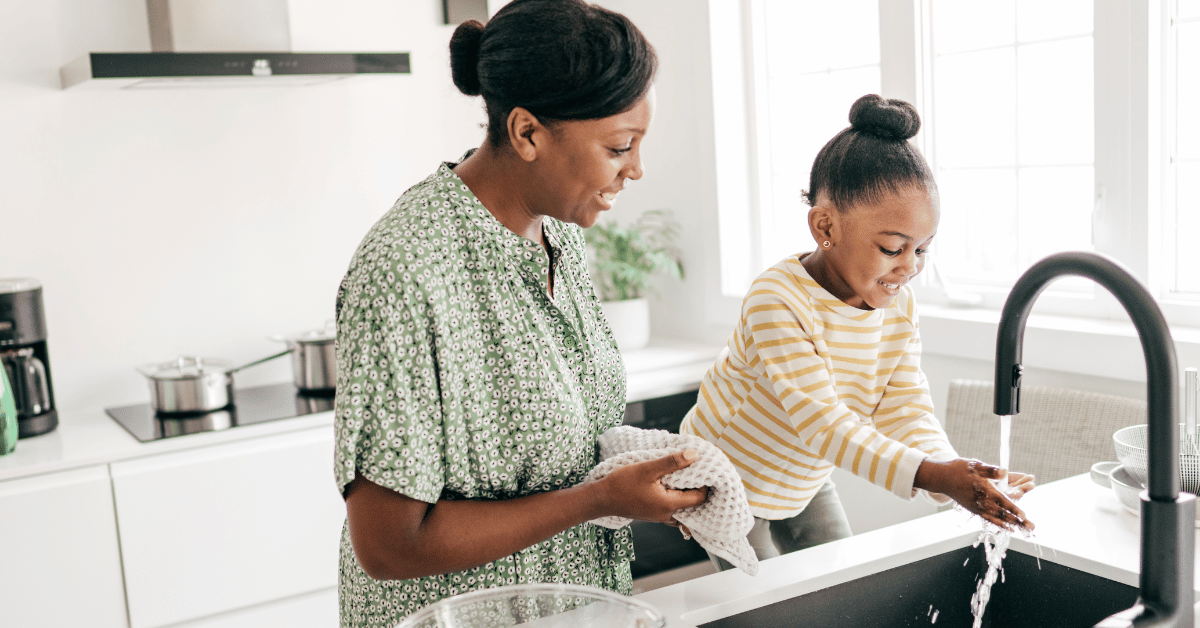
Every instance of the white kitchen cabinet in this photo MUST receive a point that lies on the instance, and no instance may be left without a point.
(312, 610)
(60, 563)
(227, 527)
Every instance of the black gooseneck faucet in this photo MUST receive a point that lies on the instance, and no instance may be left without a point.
(1168, 532)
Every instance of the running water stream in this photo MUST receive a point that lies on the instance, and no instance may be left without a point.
(1005, 436)
(994, 539)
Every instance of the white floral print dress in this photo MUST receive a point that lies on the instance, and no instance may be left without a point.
(460, 378)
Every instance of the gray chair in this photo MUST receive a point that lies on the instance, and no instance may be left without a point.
(1058, 433)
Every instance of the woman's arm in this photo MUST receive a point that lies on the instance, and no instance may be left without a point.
(398, 537)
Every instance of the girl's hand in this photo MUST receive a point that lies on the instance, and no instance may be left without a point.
(636, 491)
(968, 482)
(1019, 484)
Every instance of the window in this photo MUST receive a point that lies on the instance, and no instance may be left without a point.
(1050, 126)
(1012, 126)
(1184, 147)
(813, 75)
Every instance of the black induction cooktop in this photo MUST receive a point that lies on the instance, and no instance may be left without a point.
(257, 404)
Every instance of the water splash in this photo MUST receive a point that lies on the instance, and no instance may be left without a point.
(994, 539)
(995, 545)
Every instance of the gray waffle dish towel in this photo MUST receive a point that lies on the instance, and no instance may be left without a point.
(722, 522)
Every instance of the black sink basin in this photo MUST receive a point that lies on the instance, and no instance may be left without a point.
(1052, 596)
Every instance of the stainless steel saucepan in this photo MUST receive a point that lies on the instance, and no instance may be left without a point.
(191, 385)
(314, 362)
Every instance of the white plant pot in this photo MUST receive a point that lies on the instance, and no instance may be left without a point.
(630, 322)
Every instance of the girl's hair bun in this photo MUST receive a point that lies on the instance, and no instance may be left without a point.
(464, 56)
(885, 118)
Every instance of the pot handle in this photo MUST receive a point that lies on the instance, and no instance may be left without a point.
(261, 360)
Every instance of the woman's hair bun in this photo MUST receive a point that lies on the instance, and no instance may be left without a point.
(885, 118)
(464, 56)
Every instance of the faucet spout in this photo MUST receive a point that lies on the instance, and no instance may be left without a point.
(1168, 533)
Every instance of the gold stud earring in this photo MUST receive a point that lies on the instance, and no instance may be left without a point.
(826, 244)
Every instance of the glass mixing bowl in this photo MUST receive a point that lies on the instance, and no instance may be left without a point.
(537, 606)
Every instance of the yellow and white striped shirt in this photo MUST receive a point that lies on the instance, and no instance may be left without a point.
(808, 382)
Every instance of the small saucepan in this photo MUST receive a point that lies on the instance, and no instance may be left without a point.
(314, 362)
(193, 385)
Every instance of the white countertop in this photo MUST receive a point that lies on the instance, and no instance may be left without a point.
(89, 438)
(92, 437)
(666, 367)
(1079, 525)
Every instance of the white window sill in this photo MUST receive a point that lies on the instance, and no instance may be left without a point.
(1102, 348)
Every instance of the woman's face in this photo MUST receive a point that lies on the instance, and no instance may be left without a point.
(878, 248)
(587, 163)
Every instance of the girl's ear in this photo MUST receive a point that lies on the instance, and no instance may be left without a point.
(821, 220)
(525, 133)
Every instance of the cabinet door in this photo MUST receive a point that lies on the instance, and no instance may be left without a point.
(312, 610)
(60, 563)
(219, 528)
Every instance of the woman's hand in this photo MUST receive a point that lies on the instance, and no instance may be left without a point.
(636, 491)
(969, 482)
(397, 537)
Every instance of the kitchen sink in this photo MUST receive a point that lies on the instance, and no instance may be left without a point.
(937, 591)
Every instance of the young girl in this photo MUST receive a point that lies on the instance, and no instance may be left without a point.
(823, 369)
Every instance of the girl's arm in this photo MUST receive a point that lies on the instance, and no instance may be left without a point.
(906, 413)
(778, 325)
(398, 537)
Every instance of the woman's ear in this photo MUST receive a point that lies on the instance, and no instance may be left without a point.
(525, 133)
(821, 219)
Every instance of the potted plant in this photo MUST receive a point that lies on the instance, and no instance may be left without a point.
(624, 260)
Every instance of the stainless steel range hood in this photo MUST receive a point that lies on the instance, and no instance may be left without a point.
(195, 43)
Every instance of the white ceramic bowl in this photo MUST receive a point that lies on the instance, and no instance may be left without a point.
(537, 606)
(1124, 485)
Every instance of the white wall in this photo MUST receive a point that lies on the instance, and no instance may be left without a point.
(680, 164)
(202, 221)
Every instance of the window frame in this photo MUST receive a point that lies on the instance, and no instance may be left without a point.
(1134, 207)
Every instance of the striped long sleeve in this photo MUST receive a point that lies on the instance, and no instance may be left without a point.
(807, 383)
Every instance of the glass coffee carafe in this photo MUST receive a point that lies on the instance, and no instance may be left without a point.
(26, 356)
(27, 376)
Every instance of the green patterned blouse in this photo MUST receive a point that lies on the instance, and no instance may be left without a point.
(460, 378)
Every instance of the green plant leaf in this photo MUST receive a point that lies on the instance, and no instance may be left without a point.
(625, 259)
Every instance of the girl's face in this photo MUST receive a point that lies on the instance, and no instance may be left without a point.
(589, 162)
(877, 248)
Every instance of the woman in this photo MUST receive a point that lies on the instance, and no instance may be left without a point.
(475, 367)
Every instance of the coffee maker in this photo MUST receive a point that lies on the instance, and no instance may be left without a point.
(25, 356)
